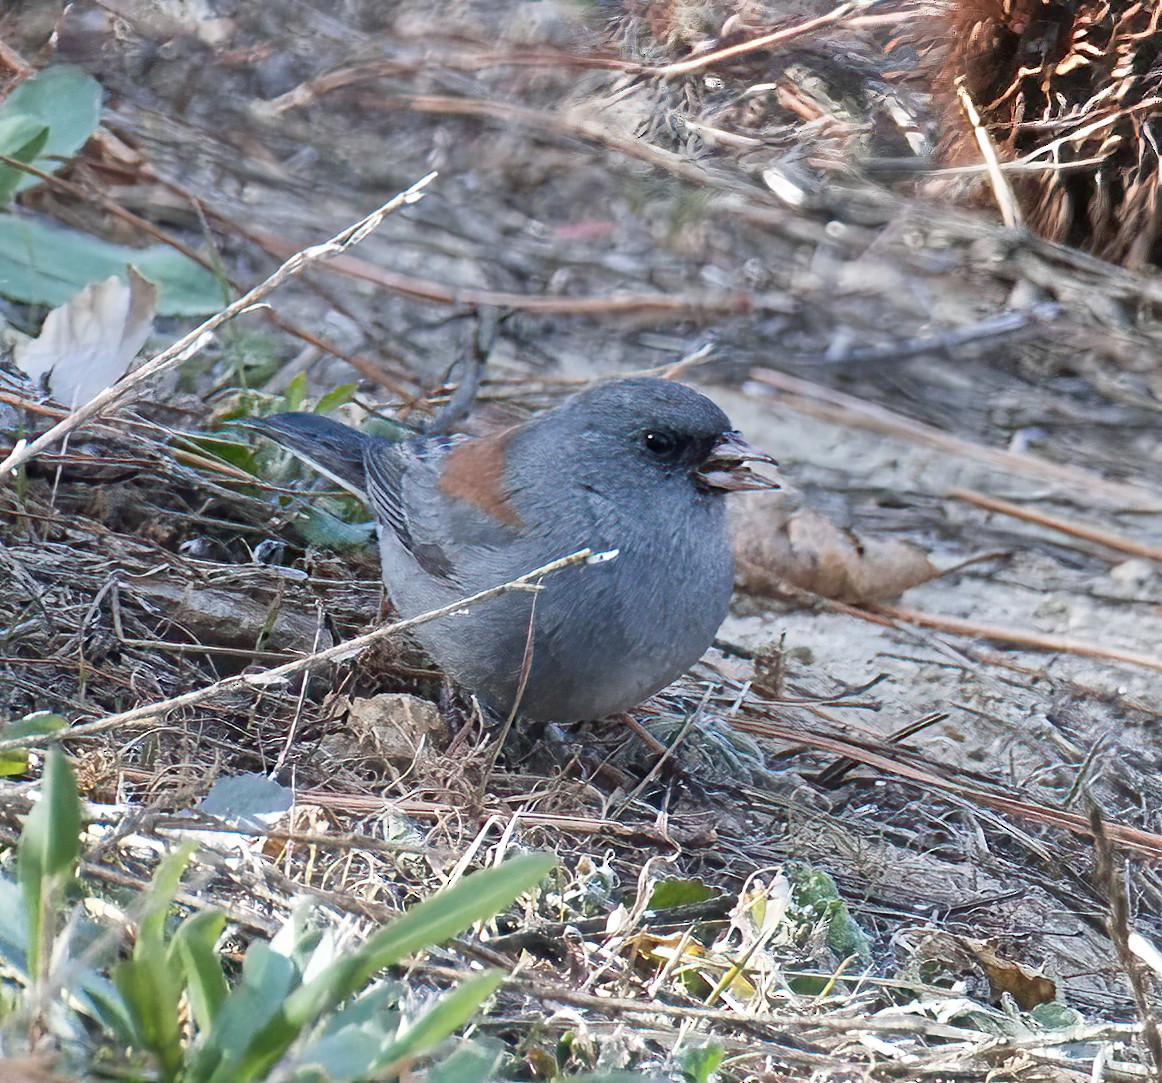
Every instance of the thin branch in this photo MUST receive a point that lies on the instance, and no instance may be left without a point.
(245, 682)
(776, 37)
(843, 409)
(190, 344)
(885, 757)
(693, 304)
(1010, 211)
(992, 327)
(1118, 542)
(1020, 637)
(1107, 875)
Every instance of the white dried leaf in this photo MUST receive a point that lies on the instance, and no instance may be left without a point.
(89, 343)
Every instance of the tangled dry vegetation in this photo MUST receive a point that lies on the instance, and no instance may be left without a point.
(1073, 91)
(975, 767)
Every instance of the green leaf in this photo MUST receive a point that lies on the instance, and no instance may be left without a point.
(267, 979)
(478, 896)
(345, 1056)
(336, 397)
(668, 893)
(319, 527)
(99, 999)
(162, 888)
(365, 1038)
(151, 982)
(15, 761)
(815, 891)
(196, 941)
(151, 992)
(64, 99)
(1056, 1015)
(43, 263)
(253, 356)
(295, 392)
(33, 725)
(445, 1017)
(47, 856)
(378, 1003)
(22, 138)
(352, 1038)
(700, 1063)
(387, 429)
(470, 1062)
(616, 1077)
(230, 451)
(13, 926)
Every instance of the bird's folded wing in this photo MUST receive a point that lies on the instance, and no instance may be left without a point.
(441, 533)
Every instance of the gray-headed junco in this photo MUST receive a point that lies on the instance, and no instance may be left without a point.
(636, 465)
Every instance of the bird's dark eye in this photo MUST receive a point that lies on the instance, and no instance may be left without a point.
(665, 445)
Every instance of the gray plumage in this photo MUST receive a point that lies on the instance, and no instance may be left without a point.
(615, 467)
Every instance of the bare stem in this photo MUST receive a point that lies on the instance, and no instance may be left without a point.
(188, 345)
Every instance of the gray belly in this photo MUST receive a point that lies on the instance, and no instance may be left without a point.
(603, 637)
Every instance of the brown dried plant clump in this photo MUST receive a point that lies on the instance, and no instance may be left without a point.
(1071, 90)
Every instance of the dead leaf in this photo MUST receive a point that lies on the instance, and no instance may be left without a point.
(1026, 986)
(776, 548)
(699, 969)
(89, 343)
(966, 958)
(304, 820)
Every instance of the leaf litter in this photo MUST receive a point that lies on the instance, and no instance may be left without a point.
(960, 859)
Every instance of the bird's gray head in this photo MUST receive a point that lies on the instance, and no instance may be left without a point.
(641, 432)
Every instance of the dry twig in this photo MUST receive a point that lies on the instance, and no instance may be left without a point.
(339, 652)
(1117, 542)
(188, 345)
(825, 402)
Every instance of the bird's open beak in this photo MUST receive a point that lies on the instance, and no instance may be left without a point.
(726, 468)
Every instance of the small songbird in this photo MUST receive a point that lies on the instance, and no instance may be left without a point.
(638, 466)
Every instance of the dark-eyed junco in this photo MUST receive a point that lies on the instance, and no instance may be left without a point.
(639, 466)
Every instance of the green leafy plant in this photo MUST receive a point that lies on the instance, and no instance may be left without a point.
(818, 901)
(303, 1007)
(15, 760)
(334, 521)
(44, 122)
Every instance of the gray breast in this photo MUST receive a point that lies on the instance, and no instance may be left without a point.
(607, 637)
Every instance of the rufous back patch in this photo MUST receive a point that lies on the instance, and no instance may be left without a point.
(474, 471)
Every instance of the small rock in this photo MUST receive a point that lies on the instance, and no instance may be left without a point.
(394, 725)
(1133, 574)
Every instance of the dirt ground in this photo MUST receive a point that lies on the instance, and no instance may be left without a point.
(621, 221)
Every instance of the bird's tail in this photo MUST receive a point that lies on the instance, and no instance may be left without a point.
(334, 450)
